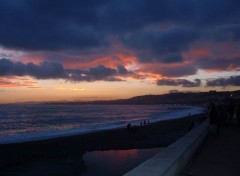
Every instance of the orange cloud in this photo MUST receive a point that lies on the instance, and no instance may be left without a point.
(106, 60)
(15, 82)
(65, 88)
(118, 55)
(200, 52)
(35, 60)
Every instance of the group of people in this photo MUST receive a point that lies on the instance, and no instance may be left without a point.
(133, 128)
(223, 113)
(145, 122)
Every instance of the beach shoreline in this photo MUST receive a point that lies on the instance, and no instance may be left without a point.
(12, 136)
(153, 135)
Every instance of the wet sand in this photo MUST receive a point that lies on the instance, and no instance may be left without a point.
(64, 154)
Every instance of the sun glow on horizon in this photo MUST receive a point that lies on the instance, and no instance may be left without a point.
(80, 59)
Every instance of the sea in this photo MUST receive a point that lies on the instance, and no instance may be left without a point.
(30, 122)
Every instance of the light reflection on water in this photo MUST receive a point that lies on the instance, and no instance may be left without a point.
(16, 120)
(39, 121)
(115, 162)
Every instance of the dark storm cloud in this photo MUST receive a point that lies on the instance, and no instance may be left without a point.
(8, 68)
(92, 74)
(219, 63)
(98, 73)
(44, 24)
(45, 70)
(173, 57)
(224, 33)
(224, 82)
(122, 70)
(125, 15)
(161, 45)
(131, 15)
(55, 70)
(89, 26)
(220, 82)
(178, 71)
(179, 82)
(49, 25)
(214, 13)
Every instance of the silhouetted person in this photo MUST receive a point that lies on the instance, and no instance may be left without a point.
(213, 118)
(144, 122)
(231, 110)
(129, 126)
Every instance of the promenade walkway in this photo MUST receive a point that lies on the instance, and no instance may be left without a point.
(218, 155)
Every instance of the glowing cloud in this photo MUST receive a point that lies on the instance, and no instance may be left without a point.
(78, 89)
(108, 41)
(15, 82)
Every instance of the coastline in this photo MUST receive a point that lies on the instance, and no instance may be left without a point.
(45, 135)
(153, 135)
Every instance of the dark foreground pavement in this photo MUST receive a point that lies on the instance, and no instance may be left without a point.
(219, 155)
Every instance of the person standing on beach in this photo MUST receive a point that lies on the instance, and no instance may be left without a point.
(213, 118)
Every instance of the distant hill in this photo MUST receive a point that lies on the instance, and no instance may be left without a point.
(198, 98)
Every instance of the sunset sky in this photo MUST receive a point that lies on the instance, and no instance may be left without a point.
(77, 50)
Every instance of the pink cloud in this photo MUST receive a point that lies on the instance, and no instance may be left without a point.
(16, 82)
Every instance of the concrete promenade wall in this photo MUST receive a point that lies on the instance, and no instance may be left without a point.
(172, 160)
